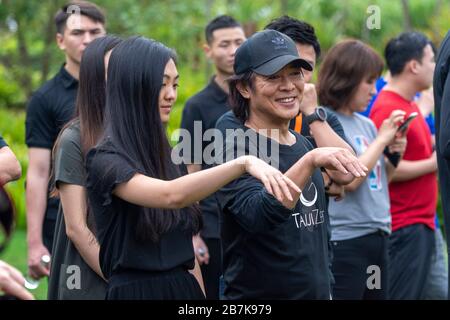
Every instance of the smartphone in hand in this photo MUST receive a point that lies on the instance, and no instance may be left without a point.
(404, 126)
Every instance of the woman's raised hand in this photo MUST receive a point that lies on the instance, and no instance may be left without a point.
(274, 181)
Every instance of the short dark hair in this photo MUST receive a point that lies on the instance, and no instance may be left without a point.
(299, 31)
(344, 67)
(220, 22)
(239, 104)
(87, 9)
(404, 48)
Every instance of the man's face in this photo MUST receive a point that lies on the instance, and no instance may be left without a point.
(425, 69)
(222, 48)
(78, 33)
(307, 52)
(277, 96)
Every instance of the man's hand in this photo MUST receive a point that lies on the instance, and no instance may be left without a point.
(35, 267)
(309, 101)
(433, 161)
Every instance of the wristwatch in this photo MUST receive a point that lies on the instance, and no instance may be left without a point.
(320, 114)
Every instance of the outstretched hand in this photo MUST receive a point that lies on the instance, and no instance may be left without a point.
(338, 159)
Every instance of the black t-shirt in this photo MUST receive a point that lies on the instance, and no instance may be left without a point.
(116, 220)
(2, 143)
(269, 251)
(49, 109)
(229, 121)
(206, 107)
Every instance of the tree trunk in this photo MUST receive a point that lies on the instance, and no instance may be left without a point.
(284, 7)
(407, 21)
(24, 60)
(49, 32)
(250, 28)
(209, 6)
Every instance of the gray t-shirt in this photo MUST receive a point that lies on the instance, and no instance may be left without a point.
(70, 276)
(365, 210)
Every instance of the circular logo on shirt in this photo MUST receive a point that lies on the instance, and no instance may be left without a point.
(309, 203)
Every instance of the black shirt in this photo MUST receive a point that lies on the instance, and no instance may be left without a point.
(271, 252)
(116, 220)
(2, 143)
(206, 107)
(49, 109)
(441, 87)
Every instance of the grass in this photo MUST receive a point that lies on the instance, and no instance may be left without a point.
(16, 255)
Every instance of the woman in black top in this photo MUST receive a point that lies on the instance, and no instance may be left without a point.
(75, 251)
(135, 190)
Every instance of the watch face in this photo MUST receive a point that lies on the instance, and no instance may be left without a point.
(321, 113)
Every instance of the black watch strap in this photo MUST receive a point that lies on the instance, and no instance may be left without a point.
(316, 115)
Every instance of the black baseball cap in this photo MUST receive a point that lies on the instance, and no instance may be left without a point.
(267, 52)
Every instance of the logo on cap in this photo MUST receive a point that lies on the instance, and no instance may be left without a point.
(279, 42)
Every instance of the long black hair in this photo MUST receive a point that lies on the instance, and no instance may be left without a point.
(91, 98)
(90, 102)
(133, 125)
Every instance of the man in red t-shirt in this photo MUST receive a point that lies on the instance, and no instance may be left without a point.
(413, 189)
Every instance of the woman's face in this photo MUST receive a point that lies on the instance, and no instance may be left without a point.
(363, 95)
(168, 93)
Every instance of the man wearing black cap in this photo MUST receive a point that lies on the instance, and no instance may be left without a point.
(274, 250)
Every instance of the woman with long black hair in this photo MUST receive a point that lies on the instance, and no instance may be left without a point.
(75, 271)
(135, 190)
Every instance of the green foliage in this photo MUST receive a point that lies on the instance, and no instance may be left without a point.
(29, 56)
(10, 92)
